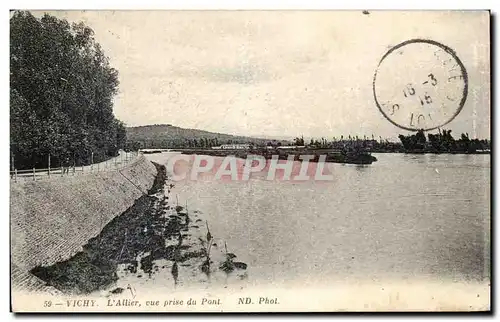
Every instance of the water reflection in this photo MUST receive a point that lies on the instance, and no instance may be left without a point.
(361, 167)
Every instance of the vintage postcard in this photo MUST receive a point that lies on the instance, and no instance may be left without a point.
(250, 161)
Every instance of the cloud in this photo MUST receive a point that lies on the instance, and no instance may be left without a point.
(276, 72)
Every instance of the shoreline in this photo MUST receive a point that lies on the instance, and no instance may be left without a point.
(151, 238)
(244, 153)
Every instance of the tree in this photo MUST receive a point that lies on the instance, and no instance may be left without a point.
(62, 89)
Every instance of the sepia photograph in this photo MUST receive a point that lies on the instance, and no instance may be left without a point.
(250, 160)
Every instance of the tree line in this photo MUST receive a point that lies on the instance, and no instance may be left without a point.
(443, 142)
(61, 94)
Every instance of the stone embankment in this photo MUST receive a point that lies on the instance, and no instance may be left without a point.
(52, 219)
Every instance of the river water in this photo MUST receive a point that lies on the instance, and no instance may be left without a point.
(404, 217)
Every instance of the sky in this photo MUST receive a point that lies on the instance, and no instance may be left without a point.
(277, 73)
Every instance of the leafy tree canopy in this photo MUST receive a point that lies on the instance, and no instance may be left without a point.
(61, 94)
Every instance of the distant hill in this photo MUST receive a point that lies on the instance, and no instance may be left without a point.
(166, 135)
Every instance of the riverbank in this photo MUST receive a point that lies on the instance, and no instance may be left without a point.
(154, 237)
(50, 220)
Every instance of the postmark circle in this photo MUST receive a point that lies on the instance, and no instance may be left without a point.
(420, 84)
